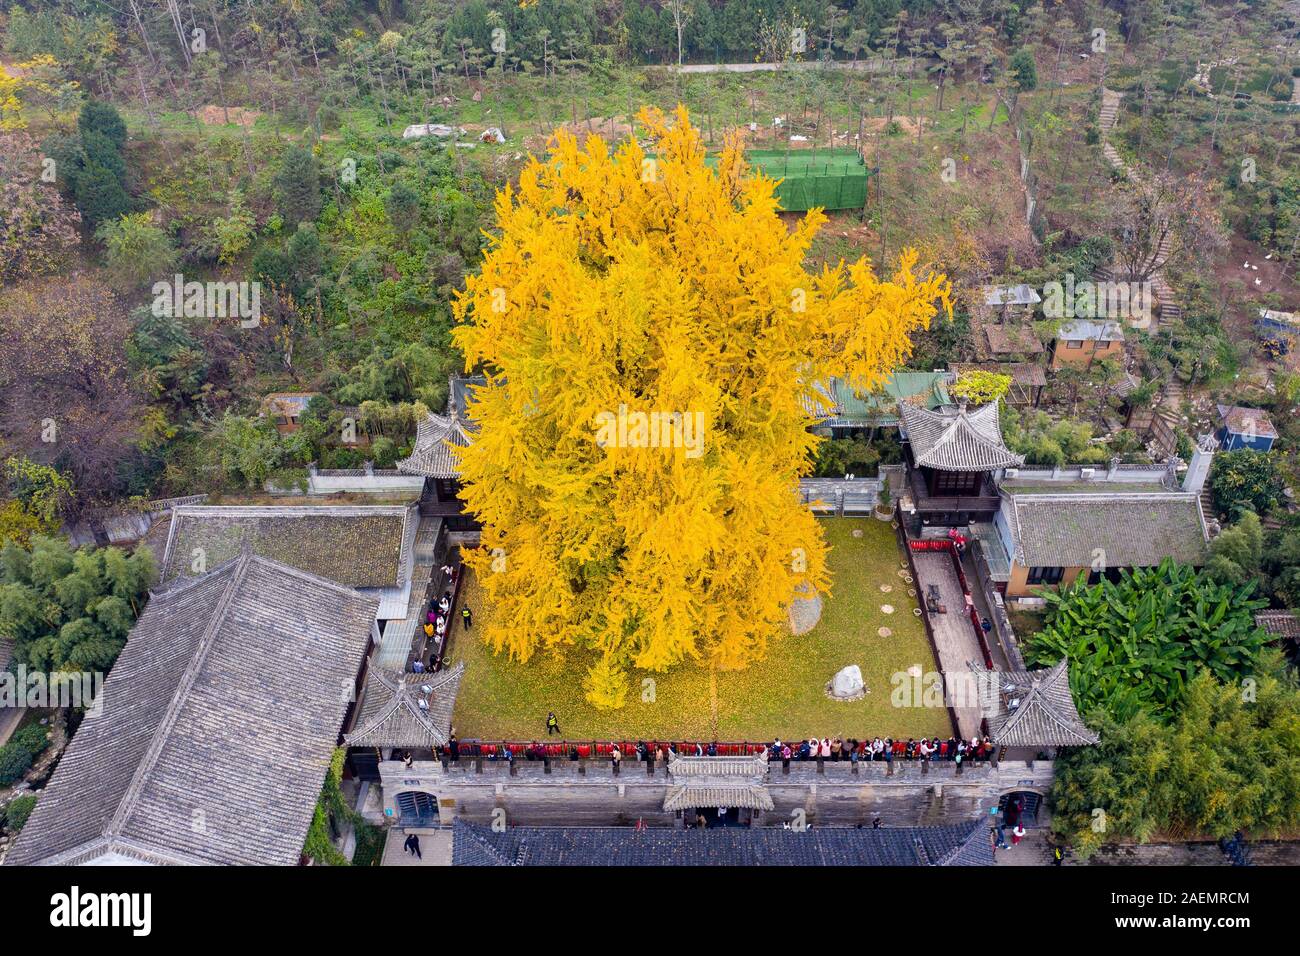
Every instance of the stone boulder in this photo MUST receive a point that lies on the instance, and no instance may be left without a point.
(847, 684)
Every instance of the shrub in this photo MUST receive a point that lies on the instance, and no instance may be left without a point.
(19, 809)
(14, 762)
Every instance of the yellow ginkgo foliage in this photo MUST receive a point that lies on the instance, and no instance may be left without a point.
(652, 345)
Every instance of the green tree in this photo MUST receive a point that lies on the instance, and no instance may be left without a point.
(247, 449)
(1245, 480)
(297, 186)
(1229, 760)
(1235, 554)
(136, 252)
(1023, 70)
(403, 207)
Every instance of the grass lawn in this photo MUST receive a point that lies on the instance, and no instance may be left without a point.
(779, 696)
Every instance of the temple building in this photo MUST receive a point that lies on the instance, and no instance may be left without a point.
(953, 453)
(214, 731)
(434, 458)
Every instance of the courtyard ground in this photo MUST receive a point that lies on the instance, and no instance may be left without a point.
(782, 695)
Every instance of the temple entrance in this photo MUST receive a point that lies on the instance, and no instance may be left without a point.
(725, 816)
(1029, 804)
(415, 808)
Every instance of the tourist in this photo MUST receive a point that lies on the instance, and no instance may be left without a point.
(428, 630)
(642, 751)
(988, 749)
(431, 617)
(699, 749)
(986, 626)
(824, 749)
(713, 749)
(835, 749)
(466, 617)
(803, 750)
(786, 753)
(877, 749)
(889, 751)
(413, 846)
(406, 758)
(1017, 835)
(453, 746)
(444, 605)
(418, 666)
(923, 748)
(877, 823)
(615, 756)
(552, 724)
(961, 752)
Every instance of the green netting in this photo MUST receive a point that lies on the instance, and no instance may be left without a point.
(830, 178)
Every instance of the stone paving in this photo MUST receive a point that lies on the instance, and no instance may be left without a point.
(435, 848)
(954, 635)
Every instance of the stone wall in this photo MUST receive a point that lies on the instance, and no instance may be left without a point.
(588, 793)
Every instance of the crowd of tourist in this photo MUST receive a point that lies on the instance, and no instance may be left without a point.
(846, 749)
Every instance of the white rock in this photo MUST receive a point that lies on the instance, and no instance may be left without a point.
(848, 684)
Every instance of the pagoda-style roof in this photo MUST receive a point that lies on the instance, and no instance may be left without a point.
(406, 710)
(433, 455)
(955, 438)
(718, 782)
(1036, 709)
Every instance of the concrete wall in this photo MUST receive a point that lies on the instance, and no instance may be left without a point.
(837, 796)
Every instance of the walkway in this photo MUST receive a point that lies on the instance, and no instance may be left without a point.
(954, 635)
(435, 848)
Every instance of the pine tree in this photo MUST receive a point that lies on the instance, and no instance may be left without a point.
(297, 186)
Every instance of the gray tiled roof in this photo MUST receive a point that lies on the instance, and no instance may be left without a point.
(1275, 623)
(955, 438)
(718, 782)
(433, 455)
(216, 728)
(1045, 714)
(711, 794)
(1123, 530)
(391, 713)
(361, 546)
(965, 844)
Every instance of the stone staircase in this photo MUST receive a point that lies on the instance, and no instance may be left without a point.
(1170, 308)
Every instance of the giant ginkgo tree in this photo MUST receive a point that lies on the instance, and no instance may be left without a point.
(620, 284)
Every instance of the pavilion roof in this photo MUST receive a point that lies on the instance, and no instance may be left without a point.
(954, 438)
(434, 454)
(1036, 709)
(406, 710)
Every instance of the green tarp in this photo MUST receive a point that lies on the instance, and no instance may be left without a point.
(830, 178)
